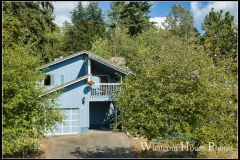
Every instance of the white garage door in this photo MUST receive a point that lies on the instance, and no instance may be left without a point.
(71, 122)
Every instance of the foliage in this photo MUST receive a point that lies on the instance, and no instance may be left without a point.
(26, 115)
(119, 44)
(114, 14)
(87, 26)
(221, 38)
(182, 93)
(30, 23)
(180, 22)
(28, 41)
(132, 15)
(100, 47)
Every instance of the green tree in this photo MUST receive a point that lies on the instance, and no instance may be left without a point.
(220, 42)
(119, 44)
(180, 22)
(114, 14)
(221, 37)
(30, 23)
(26, 39)
(100, 47)
(26, 114)
(96, 22)
(87, 26)
(182, 93)
(132, 15)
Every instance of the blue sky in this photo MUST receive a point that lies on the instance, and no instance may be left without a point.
(159, 10)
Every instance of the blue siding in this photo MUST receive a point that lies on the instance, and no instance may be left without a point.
(72, 98)
(80, 115)
(71, 69)
(72, 95)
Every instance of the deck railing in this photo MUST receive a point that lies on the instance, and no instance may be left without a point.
(102, 90)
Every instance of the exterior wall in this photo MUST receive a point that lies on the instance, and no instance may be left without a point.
(96, 72)
(71, 69)
(72, 97)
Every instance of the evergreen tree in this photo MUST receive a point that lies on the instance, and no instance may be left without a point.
(114, 14)
(180, 22)
(87, 26)
(220, 42)
(30, 23)
(220, 36)
(132, 15)
(26, 115)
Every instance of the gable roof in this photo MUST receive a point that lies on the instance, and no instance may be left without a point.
(93, 57)
(67, 84)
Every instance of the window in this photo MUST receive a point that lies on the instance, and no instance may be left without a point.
(53, 79)
(101, 89)
(100, 79)
(47, 81)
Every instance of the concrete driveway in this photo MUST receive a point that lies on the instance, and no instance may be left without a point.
(95, 144)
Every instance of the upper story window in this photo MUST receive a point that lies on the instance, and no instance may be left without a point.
(100, 79)
(53, 79)
(47, 81)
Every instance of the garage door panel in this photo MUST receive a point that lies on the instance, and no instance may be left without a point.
(66, 129)
(59, 125)
(67, 110)
(74, 129)
(67, 123)
(75, 117)
(70, 123)
(68, 117)
(74, 123)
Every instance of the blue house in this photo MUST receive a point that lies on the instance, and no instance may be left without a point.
(86, 106)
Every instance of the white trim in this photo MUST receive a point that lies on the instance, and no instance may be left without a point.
(89, 68)
(51, 134)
